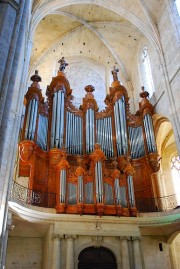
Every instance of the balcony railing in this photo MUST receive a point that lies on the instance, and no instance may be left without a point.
(37, 198)
(44, 199)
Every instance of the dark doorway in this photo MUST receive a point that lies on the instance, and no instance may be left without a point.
(96, 258)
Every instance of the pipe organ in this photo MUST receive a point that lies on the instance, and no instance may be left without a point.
(94, 162)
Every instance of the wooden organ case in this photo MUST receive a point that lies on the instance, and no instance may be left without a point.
(93, 162)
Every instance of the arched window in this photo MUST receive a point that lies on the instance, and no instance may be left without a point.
(175, 169)
(146, 72)
(177, 2)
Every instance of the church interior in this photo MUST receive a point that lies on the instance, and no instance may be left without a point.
(90, 134)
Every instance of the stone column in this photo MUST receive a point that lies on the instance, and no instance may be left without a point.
(124, 252)
(137, 253)
(70, 251)
(57, 251)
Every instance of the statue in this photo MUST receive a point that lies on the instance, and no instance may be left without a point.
(114, 73)
(36, 77)
(63, 64)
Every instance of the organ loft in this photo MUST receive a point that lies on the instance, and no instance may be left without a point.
(82, 161)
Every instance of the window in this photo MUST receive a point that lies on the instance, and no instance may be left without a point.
(177, 2)
(146, 72)
(175, 169)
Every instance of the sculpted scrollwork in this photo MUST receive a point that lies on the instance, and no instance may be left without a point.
(26, 149)
(98, 154)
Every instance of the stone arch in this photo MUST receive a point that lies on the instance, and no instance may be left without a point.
(167, 149)
(106, 245)
(174, 242)
(99, 256)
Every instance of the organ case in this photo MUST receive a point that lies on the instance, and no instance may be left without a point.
(94, 162)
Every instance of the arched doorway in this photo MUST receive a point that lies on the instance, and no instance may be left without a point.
(96, 258)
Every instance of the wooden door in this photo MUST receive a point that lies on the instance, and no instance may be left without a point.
(97, 258)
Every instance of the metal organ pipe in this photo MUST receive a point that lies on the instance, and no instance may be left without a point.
(73, 133)
(104, 135)
(62, 119)
(57, 128)
(117, 191)
(27, 120)
(57, 124)
(42, 132)
(149, 132)
(118, 129)
(31, 119)
(99, 182)
(80, 189)
(62, 186)
(151, 129)
(122, 111)
(131, 190)
(136, 142)
(53, 120)
(120, 126)
(89, 130)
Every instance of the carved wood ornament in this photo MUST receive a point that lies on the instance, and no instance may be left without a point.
(44, 165)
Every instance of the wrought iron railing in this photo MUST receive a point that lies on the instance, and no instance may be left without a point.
(44, 199)
(164, 203)
(37, 198)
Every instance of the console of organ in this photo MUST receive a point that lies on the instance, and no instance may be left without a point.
(94, 162)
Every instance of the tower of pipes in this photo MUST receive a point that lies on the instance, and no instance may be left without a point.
(82, 161)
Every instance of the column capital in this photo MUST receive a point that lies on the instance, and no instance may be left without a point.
(70, 236)
(57, 236)
(125, 238)
(136, 238)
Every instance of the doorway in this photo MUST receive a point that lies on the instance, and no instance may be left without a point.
(96, 258)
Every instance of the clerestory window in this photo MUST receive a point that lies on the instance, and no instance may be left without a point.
(146, 72)
(177, 2)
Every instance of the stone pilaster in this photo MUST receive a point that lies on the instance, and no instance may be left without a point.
(124, 252)
(57, 251)
(137, 253)
(70, 251)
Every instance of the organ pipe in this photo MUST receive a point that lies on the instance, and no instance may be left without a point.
(117, 191)
(136, 142)
(149, 132)
(99, 182)
(31, 119)
(104, 135)
(89, 130)
(57, 127)
(120, 126)
(63, 186)
(42, 132)
(73, 133)
(80, 189)
(131, 191)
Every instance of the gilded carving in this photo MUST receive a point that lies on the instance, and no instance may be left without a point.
(63, 164)
(80, 172)
(154, 159)
(98, 154)
(54, 157)
(129, 170)
(26, 149)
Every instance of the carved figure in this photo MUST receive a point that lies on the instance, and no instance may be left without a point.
(114, 73)
(63, 64)
(26, 151)
(36, 77)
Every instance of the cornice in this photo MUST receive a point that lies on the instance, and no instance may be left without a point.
(153, 219)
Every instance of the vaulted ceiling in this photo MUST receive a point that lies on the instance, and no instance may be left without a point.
(98, 34)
